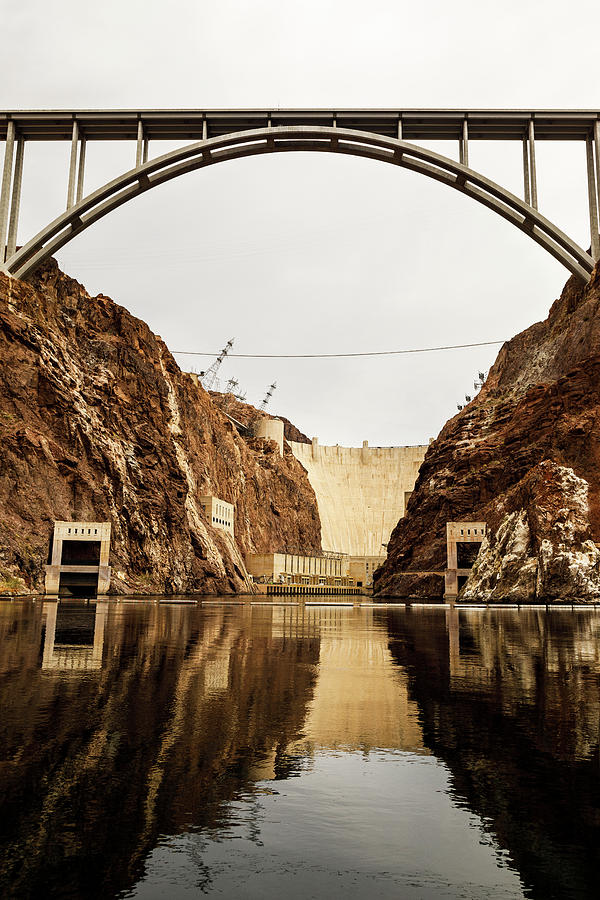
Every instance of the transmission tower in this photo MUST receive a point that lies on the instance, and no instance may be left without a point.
(268, 395)
(210, 376)
(479, 383)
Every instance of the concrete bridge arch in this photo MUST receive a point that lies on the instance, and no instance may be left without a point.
(144, 176)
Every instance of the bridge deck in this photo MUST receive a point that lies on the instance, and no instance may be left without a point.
(188, 124)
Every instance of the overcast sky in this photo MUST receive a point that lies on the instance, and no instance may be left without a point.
(308, 253)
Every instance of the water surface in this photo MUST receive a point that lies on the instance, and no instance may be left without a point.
(266, 750)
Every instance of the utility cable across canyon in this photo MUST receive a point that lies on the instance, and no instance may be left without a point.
(340, 355)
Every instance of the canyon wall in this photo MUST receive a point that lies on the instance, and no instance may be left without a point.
(524, 456)
(97, 422)
(361, 492)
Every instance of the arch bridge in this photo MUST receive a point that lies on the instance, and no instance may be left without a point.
(212, 136)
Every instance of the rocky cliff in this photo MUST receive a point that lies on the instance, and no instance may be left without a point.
(524, 456)
(98, 422)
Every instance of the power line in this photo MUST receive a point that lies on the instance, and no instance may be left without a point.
(340, 355)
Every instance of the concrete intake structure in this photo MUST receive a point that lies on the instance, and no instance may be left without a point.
(463, 540)
(361, 492)
(80, 554)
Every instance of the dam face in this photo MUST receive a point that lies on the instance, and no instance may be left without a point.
(361, 492)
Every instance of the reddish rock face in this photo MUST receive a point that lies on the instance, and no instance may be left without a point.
(524, 456)
(98, 422)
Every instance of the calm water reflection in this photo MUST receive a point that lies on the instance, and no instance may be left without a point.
(251, 750)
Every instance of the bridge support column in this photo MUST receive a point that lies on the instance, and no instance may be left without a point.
(140, 144)
(81, 169)
(15, 203)
(5, 192)
(464, 145)
(526, 181)
(597, 150)
(529, 172)
(73, 166)
(141, 150)
(592, 197)
(76, 167)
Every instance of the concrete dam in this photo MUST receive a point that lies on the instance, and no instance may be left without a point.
(361, 492)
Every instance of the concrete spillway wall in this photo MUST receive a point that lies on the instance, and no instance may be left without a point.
(361, 492)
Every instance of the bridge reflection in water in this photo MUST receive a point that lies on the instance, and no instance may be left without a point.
(125, 722)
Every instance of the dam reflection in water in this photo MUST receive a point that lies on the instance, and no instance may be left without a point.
(253, 750)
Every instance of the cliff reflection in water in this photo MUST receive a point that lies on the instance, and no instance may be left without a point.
(509, 700)
(98, 761)
(124, 722)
